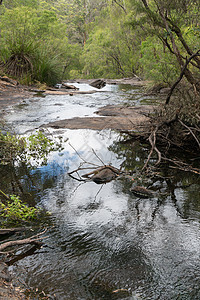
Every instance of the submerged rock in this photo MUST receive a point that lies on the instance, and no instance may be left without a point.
(142, 192)
(103, 176)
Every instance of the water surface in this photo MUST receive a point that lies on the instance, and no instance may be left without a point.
(101, 238)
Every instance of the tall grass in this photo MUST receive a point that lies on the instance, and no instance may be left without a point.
(29, 47)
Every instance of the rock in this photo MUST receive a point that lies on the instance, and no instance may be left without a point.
(165, 90)
(156, 88)
(99, 83)
(103, 176)
(58, 86)
(141, 192)
(69, 86)
(9, 80)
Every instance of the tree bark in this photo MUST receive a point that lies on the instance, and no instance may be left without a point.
(181, 75)
(178, 32)
(170, 27)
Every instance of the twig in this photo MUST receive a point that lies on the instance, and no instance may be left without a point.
(31, 240)
(78, 179)
(81, 156)
(95, 198)
(6, 231)
(153, 147)
(77, 153)
(80, 169)
(98, 157)
(4, 195)
(182, 166)
(192, 133)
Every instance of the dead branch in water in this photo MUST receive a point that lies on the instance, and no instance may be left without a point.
(95, 172)
(35, 239)
(172, 127)
(153, 147)
(99, 174)
(180, 165)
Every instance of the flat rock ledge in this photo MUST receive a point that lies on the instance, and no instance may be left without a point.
(115, 117)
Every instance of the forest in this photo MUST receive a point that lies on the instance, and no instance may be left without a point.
(47, 41)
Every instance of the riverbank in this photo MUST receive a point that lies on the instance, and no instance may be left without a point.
(7, 290)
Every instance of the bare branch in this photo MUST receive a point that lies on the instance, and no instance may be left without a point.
(192, 133)
(98, 157)
(153, 147)
(35, 239)
(120, 5)
(181, 75)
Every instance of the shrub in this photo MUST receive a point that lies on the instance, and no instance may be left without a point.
(14, 211)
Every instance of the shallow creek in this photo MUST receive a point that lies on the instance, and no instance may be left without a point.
(103, 242)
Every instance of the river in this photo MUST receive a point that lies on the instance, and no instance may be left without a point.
(102, 241)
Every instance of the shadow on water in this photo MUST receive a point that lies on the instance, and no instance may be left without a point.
(103, 242)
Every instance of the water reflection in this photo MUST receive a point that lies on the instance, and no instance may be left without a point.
(101, 238)
(105, 239)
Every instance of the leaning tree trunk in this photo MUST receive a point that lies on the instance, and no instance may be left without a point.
(189, 76)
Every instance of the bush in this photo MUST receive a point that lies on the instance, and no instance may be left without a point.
(14, 211)
(33, 45)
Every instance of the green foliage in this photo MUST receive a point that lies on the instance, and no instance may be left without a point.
(11, 147)
(48, 41)
(15, 212)
(156, 63)
(110, 50)
(33, 44)
(34, 148)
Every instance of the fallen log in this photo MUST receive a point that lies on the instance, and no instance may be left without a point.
(99, 175)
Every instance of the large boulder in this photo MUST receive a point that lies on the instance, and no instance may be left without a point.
(98, 83)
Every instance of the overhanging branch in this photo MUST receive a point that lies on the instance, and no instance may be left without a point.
(181, 75)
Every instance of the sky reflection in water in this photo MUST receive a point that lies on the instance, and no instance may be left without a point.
(103, 238)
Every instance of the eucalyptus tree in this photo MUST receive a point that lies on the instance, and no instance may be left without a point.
(112, 47)
(176, 24)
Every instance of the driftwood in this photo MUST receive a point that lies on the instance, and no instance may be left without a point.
(101, 174)
(35, 239)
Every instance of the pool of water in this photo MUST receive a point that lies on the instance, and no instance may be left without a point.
(102, 241)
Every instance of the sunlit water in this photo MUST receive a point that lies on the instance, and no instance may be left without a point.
(101, 238)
